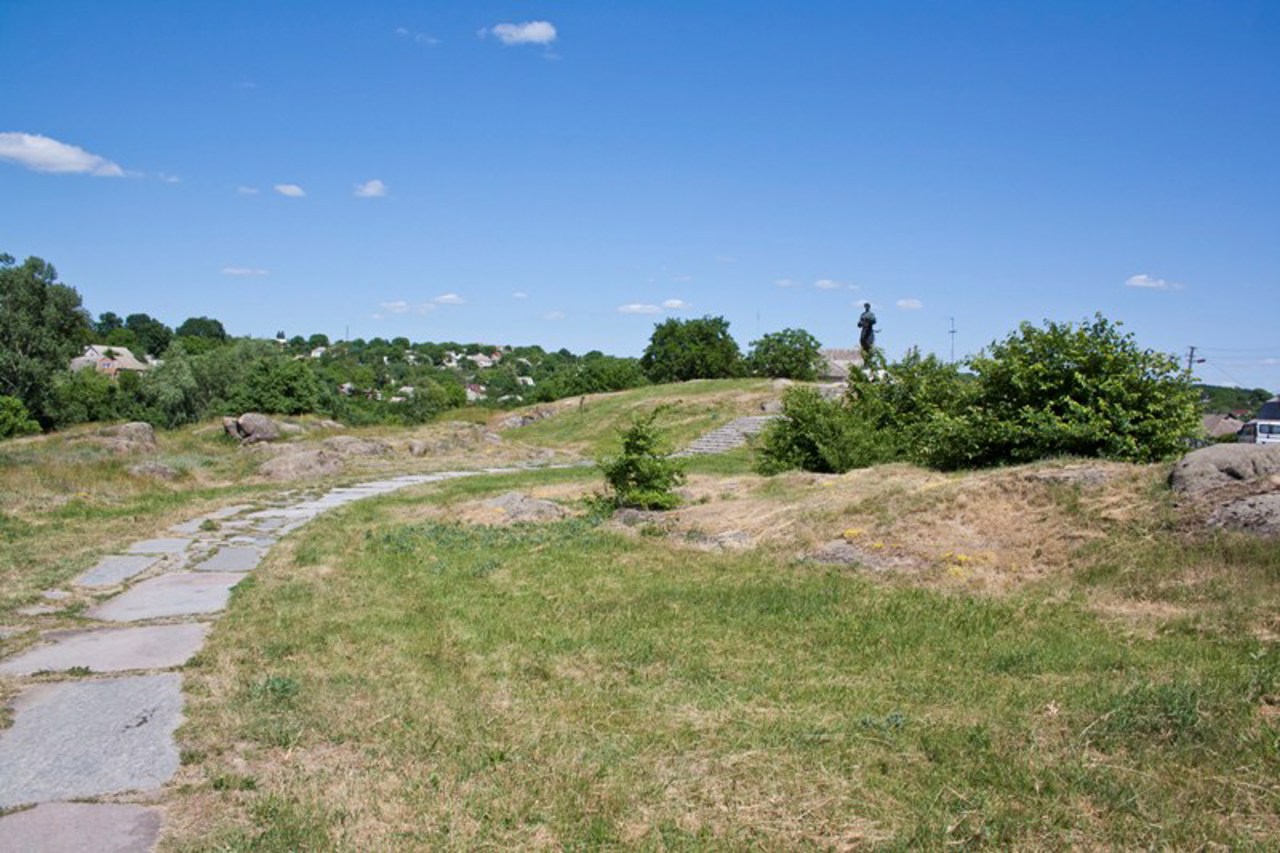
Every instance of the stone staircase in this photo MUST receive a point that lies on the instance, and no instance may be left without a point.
(732, 435)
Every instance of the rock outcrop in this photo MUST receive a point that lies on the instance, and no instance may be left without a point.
(1223, 464)
(252, 428)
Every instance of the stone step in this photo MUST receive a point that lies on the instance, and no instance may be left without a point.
(730, 436)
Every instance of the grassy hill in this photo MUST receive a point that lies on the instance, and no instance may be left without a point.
(1040, 656)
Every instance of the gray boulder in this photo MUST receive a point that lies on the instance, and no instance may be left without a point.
(418, 447)
(349, 445)
(520, 507)
(1223, 464)
(133, 437)
(1255, 514)
(301, 465)
(254, 428)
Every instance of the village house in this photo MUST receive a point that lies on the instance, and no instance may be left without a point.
(109, 359)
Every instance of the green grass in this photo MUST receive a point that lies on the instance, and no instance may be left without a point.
(565, 687)
(692, 409)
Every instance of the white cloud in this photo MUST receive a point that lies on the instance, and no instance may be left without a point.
(1147, 282)
(530, 32)
(400, 306)
(291, 190)
(371, 189)
(638, 308)
(247, 190)
(420, 38)
(449, 299)
(910, 304)
(827, 284)
(553, 315)
(42, 154)
(243, 271)
(675, 304)
(169, 179)
(519, 294)
(786, 282)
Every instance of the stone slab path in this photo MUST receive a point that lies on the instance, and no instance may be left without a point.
(82, 736)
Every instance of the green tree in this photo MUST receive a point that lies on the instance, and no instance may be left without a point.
(14, 419)
(202, 327)
(1068, 389)
(691, 349)
(42, 327)
(789, 354)
(278, 386)
(107, 323)
(153, 336)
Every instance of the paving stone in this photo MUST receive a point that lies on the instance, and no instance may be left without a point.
(55, 594)
(88, 738)
(232, 558)
(177, 594)
(81, 828)
(111, 649)
(159, 546)
(195, 524)
(116, 569)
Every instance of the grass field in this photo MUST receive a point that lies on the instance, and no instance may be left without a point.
(398, 679)
(1039, 657)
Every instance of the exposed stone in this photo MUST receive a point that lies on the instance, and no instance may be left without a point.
(232, 558)
(418, 448)
(1223, 464)
(520, 507)
(133, 437)
(90, 738)
(178, 594)
(155, 470)
(350, 445)
(291, 429)
(771, 407)
(162, 545)
(304, 463)
(1254, 514)
(253, 428)
(110, 649)
(635, 517)
(115, 569)
(81, 828)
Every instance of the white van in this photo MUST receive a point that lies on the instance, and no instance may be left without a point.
(1259, 432)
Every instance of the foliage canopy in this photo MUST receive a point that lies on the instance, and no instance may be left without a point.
(700, 348)
(789, 354)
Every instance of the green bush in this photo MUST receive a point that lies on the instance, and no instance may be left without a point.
(827, 436)
(279, 386)
(1066, 389)
(14, 419)
(83, 395)
(642, 476)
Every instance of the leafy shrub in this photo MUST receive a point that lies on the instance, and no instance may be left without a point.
(828, 436)
(279, 386)
(14, 419)
(641, 475)
(83, 395)
(789, 354)
(1066, 389)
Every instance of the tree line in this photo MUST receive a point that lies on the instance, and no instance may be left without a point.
(197, 370)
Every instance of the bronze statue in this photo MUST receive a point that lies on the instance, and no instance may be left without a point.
(867, 323)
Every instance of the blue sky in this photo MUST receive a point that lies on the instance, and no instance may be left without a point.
(570, 173)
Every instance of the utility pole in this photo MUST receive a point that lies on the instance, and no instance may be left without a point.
(1191, 358)
(953, 340)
